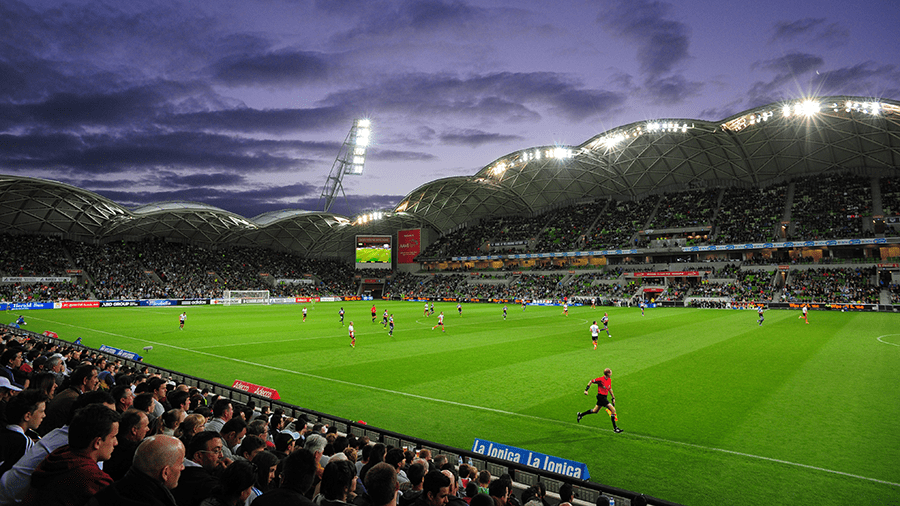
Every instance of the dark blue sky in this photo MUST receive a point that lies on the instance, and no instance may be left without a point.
(244, 105)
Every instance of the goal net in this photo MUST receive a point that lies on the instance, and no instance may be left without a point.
(231, 297)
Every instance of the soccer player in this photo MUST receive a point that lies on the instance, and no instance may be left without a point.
(352, 335)
(504, 312)
(181, 320)
(384, 319)
(804, 315)
(341, 314)
(432, 308)
(391, 325)
(459, 308)
(593, 303)
(605, 322)
(426, 309)
(440, 323)
(595, 333)
(21, 320)
(523, 304)
(566, 308)
(304, 313)
(374, 313)
(643, 306)
(760, 310)
(604, 388)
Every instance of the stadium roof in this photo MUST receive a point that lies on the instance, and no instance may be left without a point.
(762, 146)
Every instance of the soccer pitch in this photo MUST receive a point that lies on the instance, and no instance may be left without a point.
(716, 409)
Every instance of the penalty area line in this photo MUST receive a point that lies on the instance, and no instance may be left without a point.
(499, 411)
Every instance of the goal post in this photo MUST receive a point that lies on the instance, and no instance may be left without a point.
(232, 297)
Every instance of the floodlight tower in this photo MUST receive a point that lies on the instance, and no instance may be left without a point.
(351, 159)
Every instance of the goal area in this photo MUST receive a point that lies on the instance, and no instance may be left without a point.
(232, 297)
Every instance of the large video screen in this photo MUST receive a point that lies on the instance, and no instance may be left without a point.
(373, 252)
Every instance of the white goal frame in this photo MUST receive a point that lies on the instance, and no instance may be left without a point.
(232, 297)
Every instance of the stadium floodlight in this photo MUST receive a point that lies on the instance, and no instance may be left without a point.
(808, 107)
(351, 159)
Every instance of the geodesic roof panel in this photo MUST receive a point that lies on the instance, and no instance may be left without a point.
(186, 221)
(300, 231)
(47, 207)
(452, 201)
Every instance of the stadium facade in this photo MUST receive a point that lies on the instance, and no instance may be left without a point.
(775, 143)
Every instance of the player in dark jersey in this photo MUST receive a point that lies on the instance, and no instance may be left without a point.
(384, 319)
(341, 313)
(504, 312)
(459, 308)
(760, 310)
(605, 322)
(604, 389)
(391, 325)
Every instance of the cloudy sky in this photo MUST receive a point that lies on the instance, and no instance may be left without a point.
(244, 104)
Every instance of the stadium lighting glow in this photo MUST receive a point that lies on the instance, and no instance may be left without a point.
(561, 153)
(359, 160)
(362, 137)
(363, 123)
(808, 108)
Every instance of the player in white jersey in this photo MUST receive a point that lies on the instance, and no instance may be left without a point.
(440, 323)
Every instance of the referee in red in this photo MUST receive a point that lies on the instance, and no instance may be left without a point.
(604, 389)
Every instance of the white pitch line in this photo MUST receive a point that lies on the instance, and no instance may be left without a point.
(500, 411)
(885, 342)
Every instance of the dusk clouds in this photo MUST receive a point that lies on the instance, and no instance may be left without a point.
(244, 105)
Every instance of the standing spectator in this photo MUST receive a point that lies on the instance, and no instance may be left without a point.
(158, 463)
(92, 438)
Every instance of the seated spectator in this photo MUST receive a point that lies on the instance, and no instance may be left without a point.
(566, 494)
(190, 427)
(453, 499)
(92, 438)
(171, 420)
(435, 489)
(499, 492)
(158, 463)
(203, 458)
(297, 477)
(234, 486)
(382, 485)
(45, 382)
(232, 432)
(338, 484)
(266, 473)
(133, 428)
(250, 447)
(14, 483)
(24, 412)
(124, 397)
(415, 473)
(222, 411)
(84, 379)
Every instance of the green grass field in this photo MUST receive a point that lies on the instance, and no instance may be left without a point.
(716, 409)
